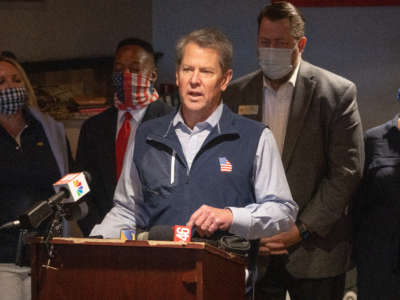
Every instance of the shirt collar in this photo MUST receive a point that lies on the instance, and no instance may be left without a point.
(211, 121)
(137, 114)
(291, 81)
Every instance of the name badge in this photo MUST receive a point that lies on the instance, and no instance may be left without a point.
(248, 109)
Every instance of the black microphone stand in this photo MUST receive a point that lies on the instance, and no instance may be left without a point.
(55, 230)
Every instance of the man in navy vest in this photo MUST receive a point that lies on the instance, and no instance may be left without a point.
(203, 165)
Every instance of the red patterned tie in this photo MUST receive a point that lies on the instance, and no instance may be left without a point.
(121, 142)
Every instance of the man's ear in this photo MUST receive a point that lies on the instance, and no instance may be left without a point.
(302, 44)
(226, 79)
(177, 77)
(154, 75)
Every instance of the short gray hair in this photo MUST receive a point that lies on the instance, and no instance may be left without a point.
(208, 38)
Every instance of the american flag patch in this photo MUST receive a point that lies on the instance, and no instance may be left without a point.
(225, 165)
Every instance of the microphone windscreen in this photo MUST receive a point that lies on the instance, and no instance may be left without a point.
(205, 240)
(161, 233)
(75, 211)
(36, 215)
(235, 244)
(142, 235)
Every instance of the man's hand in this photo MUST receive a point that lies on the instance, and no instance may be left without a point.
(209, 219)
(278, 244)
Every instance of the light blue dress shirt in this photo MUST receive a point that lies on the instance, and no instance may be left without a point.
(274, 210)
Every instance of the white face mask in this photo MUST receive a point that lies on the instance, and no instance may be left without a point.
(275, 62)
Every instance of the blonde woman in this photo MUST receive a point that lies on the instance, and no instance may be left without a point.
(34, 153)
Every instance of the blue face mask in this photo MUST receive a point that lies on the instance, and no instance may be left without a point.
(12, 100)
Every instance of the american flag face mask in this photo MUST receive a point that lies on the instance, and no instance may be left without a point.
(133, 90)
(12, 100)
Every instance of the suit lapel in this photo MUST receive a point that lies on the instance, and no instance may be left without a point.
(254, 95)
(302, 97)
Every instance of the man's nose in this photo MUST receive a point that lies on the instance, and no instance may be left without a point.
(195, 79)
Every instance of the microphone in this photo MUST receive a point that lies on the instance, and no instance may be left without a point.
(74, 188)
(155, 233)
(165, 233)
(223, 240)
(226, 241)
(75, 211)
(69, 189)
(32, 218)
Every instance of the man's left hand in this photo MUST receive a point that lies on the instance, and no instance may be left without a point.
(208, 219)
(279, 243)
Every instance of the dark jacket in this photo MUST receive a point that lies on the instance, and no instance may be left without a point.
(27, 173)
(377, 215)
(323, 160)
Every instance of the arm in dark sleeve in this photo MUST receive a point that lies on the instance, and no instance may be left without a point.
(84, 162)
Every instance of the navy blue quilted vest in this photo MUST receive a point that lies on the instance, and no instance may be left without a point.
(171, 192)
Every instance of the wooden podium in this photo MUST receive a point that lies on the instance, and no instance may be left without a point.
(146, 270)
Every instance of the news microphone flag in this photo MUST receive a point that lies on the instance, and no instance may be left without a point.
(75, 184)
(182, 233)
(127, 235)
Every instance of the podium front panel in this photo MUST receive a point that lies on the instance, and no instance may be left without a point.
(105, 269)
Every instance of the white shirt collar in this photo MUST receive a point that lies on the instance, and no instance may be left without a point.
(136, 114)
(211, 121)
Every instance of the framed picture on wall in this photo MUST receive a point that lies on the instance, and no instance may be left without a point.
(342, 2)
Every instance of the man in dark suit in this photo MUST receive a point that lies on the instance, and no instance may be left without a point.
(314, 117)
(376, 214)
(134, 63)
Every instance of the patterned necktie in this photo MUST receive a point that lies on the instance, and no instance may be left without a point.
(121, 143)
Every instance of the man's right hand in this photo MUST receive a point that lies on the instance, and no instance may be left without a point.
(208, 219)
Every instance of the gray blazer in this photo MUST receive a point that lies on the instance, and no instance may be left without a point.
(323, 157)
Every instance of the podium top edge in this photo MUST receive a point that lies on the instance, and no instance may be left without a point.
(130, 243)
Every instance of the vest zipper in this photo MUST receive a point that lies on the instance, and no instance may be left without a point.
(172, 180)
(187, 174)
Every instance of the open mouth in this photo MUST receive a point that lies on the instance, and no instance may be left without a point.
(195, 94)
